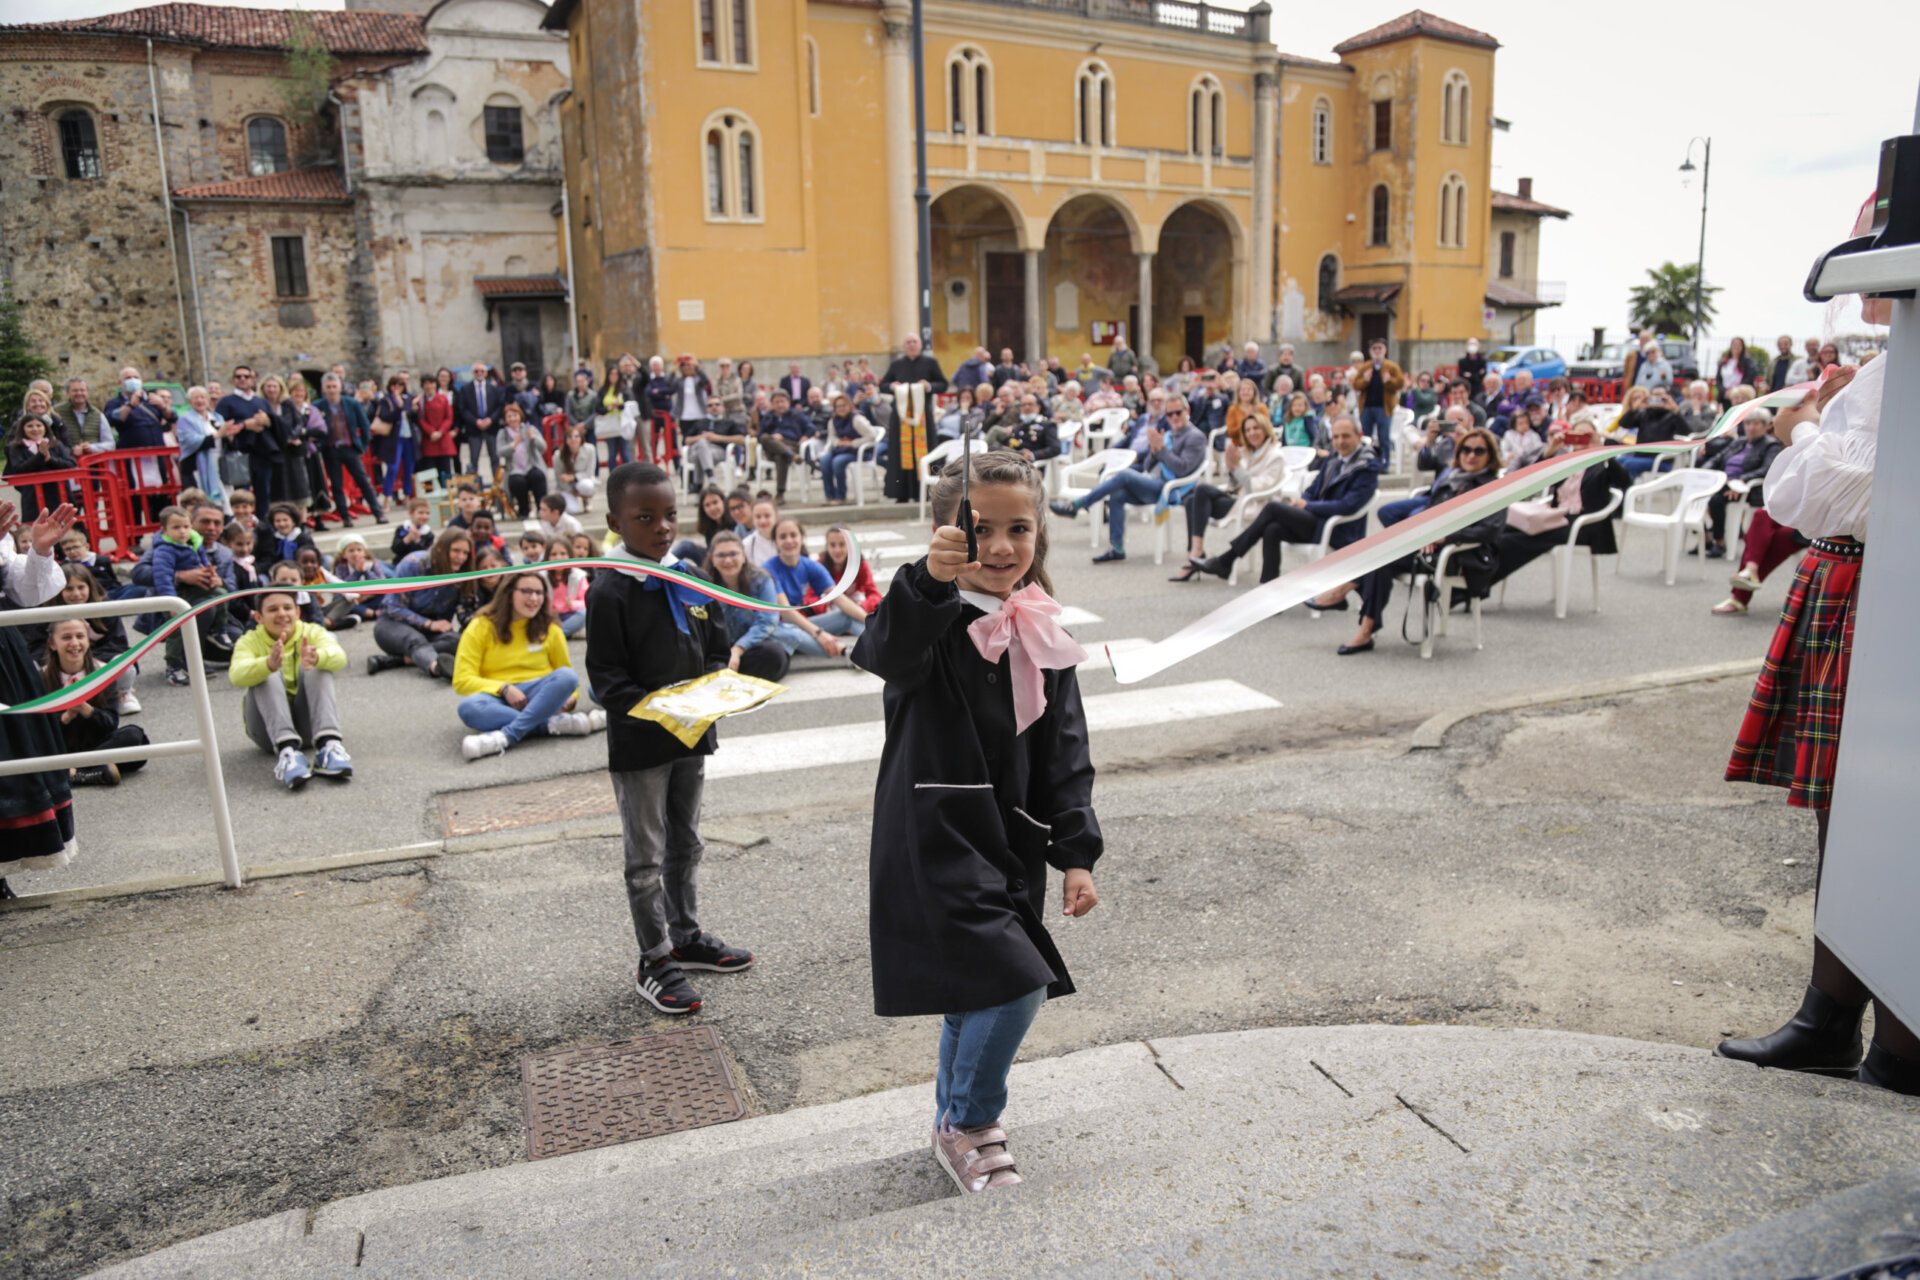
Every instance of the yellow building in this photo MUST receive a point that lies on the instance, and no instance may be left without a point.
(741, 179)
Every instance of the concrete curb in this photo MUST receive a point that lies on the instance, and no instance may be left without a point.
(1432, 731)
(593, 829)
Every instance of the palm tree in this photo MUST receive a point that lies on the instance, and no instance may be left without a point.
(1665, 303)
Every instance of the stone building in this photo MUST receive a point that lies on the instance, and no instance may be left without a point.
(179, 209)
(742, 177)
(1514, 291)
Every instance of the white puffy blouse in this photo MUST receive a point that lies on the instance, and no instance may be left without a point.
(1822, 485)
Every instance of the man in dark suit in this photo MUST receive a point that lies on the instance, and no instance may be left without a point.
(795, 384)
(476, 416)
(349, 435)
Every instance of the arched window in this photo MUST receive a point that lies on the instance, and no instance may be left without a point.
(969, 91)
(1093, 105)
(1329, 283)
(724, 32)
(730, 156)
(1322, 131)
(436, 137)
(1456, 104)
(1377, 224)
(813, 77)
(1453, 212)
(1206, 118)
(79, 144)
(1383, 113)
(266, 146)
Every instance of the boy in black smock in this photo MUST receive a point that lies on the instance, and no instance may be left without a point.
(643, 634)
(985, 780)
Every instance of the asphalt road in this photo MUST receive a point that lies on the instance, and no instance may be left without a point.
(405, 737)
(188, 1061)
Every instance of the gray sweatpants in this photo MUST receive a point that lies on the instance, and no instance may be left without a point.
(309, 717)
(660, 820)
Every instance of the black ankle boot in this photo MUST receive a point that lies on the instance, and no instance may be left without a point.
(378, 662)
(1824, 1037)
(1890, 1071)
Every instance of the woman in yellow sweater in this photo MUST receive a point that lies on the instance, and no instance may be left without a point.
(513, 673)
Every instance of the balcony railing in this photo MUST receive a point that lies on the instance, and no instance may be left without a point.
(1176, 15)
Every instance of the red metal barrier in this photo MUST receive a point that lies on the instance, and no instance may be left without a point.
(134, 503)
(1447, 371)
(97, 501)
(1598, 390)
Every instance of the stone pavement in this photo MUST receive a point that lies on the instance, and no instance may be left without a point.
(1410, 1152)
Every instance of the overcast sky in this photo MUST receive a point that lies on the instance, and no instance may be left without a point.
(1603, 100)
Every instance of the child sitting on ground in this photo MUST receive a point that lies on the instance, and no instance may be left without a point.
(485, 535)
(354, 563)
(466, 502)
(985, 780)
(74, 549)
(106, 637)
(243, 505)
(533, 547)
(643, 635)
(335, 609)
(182, 569)
(415, 533)
(239, 544)
(92, 725)
(286, 667)
(280, 538)
(554, 520)
(759, 540)
(514, 675)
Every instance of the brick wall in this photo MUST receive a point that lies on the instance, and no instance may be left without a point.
(245, 321)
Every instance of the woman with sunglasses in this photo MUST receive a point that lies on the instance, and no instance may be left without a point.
(1475, 462)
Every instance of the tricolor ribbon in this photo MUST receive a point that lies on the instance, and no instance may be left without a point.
(1390, 544)
(82, 690)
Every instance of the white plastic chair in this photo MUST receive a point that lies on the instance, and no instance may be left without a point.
(1102, 426)
(1399, 431)
(1740, 489)
(1692, 486)
(862, 459)
(934, 461)
(1437, 610)
(1160, 527)
(1244, 505)
(1055, 467)
(1299, 460)
(1562, 557)
(1092, 470)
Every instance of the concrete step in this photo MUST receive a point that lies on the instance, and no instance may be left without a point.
(1414, 1149)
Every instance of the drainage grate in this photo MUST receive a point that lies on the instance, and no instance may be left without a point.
(579, 1099)
(527, 804)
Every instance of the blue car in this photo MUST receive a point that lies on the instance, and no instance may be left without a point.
(1541, 362)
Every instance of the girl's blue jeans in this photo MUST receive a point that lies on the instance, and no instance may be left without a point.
(833, 622)
(401, 471)
(572, 624)
(489, 712)
(976, 1053)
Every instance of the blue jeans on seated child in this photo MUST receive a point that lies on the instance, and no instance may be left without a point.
(976, 1053)
(834, 623)
(487, 712)
(1136, 487)
(572, 624)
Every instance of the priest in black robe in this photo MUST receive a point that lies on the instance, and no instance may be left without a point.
(907, 443)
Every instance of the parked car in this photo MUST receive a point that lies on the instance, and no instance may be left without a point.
(1541, 362)
(1609, 363)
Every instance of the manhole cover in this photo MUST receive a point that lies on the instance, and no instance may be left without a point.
(579, 1099)
(527, 804)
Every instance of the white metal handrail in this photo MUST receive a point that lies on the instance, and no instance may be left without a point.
(203, 709)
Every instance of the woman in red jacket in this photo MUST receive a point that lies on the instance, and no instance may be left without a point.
(863, 592)
(437, 445)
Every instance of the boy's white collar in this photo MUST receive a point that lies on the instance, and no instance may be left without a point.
(980, 600)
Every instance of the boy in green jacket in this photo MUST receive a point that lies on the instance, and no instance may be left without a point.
(284, 714)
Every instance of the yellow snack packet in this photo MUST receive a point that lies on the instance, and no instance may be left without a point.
(689, 709)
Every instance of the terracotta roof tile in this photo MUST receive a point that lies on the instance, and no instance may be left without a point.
(306, 186)
(1519, 204)
(220, 27)
(521, 286)
(1417, 22)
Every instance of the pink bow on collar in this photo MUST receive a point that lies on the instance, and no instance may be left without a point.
(1025, 629)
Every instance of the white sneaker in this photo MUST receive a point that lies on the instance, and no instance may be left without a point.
(597, 720)
(129, 705)
(478, 746)
(569, 724)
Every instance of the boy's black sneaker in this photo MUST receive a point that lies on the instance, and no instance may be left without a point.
(708, 953)
(662, 985)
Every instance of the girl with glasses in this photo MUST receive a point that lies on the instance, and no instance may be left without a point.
(513, 674)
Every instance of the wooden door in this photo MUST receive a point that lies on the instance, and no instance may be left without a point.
(520, 339)
(1006, 322)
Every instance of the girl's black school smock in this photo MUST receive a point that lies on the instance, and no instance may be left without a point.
(966, 813)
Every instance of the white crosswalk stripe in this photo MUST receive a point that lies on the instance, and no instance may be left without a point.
(745, 755)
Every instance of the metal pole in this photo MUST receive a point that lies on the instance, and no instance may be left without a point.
(210, 750)
(1700, 264)
(922, 198)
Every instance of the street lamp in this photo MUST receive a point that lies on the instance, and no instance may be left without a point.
(1700, 266)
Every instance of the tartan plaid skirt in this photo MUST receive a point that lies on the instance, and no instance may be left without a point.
(1791, 733)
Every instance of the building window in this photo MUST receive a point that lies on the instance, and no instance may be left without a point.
(1322, 131)
(731, 156)
(1506, 255)
(1383, 126)
(1093, 105)
(1377, 224)
(1207, 118)
(1453, 212)
(289, 267)
(1456, 98)
(725, 32)
(266, 146)
(79, 144)
(1329, 283)
(505, 143)
(969, 92)
(813, 77)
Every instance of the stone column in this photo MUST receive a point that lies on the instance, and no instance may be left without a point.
(1142, 341)
(1036, 312)
(1265, 108)
(903, 312)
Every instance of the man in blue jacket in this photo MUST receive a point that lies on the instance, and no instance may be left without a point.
(349, 435)
(1346, 483)
(476, 419)
(1175, 448)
